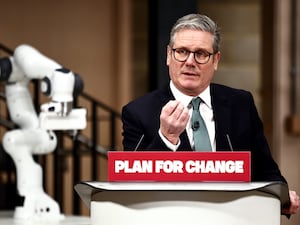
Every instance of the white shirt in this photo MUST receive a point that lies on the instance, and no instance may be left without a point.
(206, 112)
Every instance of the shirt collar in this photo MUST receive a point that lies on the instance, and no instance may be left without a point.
(186, 99)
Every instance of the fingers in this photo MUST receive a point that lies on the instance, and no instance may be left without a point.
(173, 119)
(295, 203)
(174, 110)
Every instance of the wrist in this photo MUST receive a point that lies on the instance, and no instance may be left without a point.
(173, 140)
(168, 143)
(170, 138)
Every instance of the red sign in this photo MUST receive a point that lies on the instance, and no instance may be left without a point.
(179, 166)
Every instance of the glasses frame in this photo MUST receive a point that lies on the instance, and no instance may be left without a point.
(189, 53)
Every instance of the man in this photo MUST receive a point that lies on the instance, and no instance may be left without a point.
(162, 120)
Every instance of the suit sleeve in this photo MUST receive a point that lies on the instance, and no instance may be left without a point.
(264, 166)
(138, 131)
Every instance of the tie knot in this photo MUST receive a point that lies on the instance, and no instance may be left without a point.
(196, 102)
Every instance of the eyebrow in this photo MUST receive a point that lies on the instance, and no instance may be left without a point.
(196, 50)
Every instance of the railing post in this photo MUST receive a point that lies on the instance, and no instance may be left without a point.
(113, 131)
(76, 174)
(57, 169)
(94, 141)
(76, 167)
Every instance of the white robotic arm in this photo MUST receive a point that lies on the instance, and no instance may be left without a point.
(60, 84)
(37, 66)
(59, 113)
(33, 63)
(35, 133)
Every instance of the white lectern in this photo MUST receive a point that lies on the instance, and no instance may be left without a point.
(159, 203)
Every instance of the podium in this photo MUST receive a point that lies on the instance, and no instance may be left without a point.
(178, 203)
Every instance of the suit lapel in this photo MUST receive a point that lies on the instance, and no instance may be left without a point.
(222, 117)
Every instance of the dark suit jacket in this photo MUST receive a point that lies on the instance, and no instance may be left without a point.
(235, 115)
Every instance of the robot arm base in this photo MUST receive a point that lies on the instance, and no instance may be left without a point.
(39, 206)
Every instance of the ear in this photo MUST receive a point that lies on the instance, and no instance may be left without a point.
(169, 55)
(217, 58)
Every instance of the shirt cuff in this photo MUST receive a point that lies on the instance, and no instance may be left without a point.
(169, 144)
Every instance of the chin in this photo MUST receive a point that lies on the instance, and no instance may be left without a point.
(191, 84)
(188, 90)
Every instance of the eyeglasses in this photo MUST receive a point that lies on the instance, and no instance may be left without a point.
(201, 57)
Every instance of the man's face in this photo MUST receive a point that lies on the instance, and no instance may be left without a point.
(190, 77)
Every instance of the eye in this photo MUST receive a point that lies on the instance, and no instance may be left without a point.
(181, 51)
(202, 54)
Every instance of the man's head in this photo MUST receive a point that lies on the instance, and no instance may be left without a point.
(193, 53)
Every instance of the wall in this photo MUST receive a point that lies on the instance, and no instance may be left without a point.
(80, 36)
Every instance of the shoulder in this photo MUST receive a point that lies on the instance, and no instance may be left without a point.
(234, 98)
(222, 91)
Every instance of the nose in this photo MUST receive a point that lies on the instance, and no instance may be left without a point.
(191, 58)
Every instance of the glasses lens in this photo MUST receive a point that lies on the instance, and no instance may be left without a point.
(202, 56)
(182, 55)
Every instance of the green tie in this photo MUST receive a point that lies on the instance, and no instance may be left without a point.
(201, 138)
